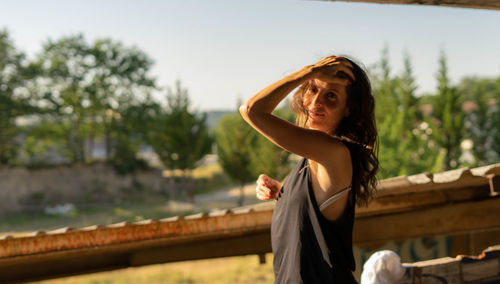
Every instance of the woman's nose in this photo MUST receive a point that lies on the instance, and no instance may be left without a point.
(317, 99)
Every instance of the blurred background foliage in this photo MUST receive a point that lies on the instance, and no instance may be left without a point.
(77, 102)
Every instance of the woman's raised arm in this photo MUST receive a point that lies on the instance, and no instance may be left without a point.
(257, 111)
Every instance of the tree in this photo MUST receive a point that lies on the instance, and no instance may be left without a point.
(405, 145)
(235, 139)
(121, 84)
(482, 118)
(448, 118)
(178, 135)
(416, 151)
(384, 87)
(129, 133)
(495, 120)
(87, 87)
(13, 98)
(244, 153)
(390, 116)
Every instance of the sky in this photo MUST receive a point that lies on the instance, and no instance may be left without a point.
(226, 50)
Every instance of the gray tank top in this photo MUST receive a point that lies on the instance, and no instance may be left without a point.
(307, 247)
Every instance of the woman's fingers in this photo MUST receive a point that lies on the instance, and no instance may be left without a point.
(338, 74)
(263, 193)
(332, 65)
(329, 78)
(267, 187)
(263, 179)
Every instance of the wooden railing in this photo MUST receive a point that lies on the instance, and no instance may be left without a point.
(461, 202)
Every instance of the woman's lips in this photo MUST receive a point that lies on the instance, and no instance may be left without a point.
(316, 113)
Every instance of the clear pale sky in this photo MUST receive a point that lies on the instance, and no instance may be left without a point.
(223, 50)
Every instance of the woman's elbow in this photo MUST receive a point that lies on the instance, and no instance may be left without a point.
(245, 110)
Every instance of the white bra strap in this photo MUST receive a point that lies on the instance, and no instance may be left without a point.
(334, 198)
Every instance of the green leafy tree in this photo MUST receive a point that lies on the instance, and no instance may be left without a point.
(60, 96)
(43, 146)
(482, 118)
(87, 88)
(130, 129)
(495, 120)
(14, 102)
(120, 84)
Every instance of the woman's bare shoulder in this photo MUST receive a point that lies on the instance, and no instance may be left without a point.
(338, 154)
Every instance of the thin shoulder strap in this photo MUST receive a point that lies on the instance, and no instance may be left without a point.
(334, 198)
(313, 216)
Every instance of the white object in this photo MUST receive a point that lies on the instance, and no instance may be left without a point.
(60, 209)
(383, 267)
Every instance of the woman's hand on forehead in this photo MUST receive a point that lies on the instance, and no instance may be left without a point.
(333, 69)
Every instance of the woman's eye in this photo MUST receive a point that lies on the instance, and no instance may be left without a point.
(313, 90)
(331, 96)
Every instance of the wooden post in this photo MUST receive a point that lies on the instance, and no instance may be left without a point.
(262, 258)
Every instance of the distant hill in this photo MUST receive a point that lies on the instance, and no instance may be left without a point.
(214, 116)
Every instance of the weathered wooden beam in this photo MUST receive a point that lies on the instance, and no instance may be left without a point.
(90, 260)
(395, 203)
(479, 4)
(484, 268)
(446, 219)
(257, 243)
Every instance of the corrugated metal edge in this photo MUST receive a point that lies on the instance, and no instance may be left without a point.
(193, 225)
(489, 169)
(452, 175)
(428, 181)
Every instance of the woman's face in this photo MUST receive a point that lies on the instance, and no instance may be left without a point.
(325, 104)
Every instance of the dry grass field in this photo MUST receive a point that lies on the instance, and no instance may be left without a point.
(244, 269)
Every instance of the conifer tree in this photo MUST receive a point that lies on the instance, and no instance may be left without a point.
(416, 151)
(235, 142)
(244, 154)
(448, 118)
(405, 146)
(180, 135)
(386, 111)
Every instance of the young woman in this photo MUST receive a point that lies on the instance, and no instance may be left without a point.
(311, 230)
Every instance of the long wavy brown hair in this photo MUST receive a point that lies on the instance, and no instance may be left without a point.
(358, 129)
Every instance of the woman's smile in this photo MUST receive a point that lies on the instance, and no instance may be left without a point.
(316, 113)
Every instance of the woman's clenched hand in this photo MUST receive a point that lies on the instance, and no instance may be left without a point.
(267, 188)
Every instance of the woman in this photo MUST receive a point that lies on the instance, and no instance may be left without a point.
(311, 230)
